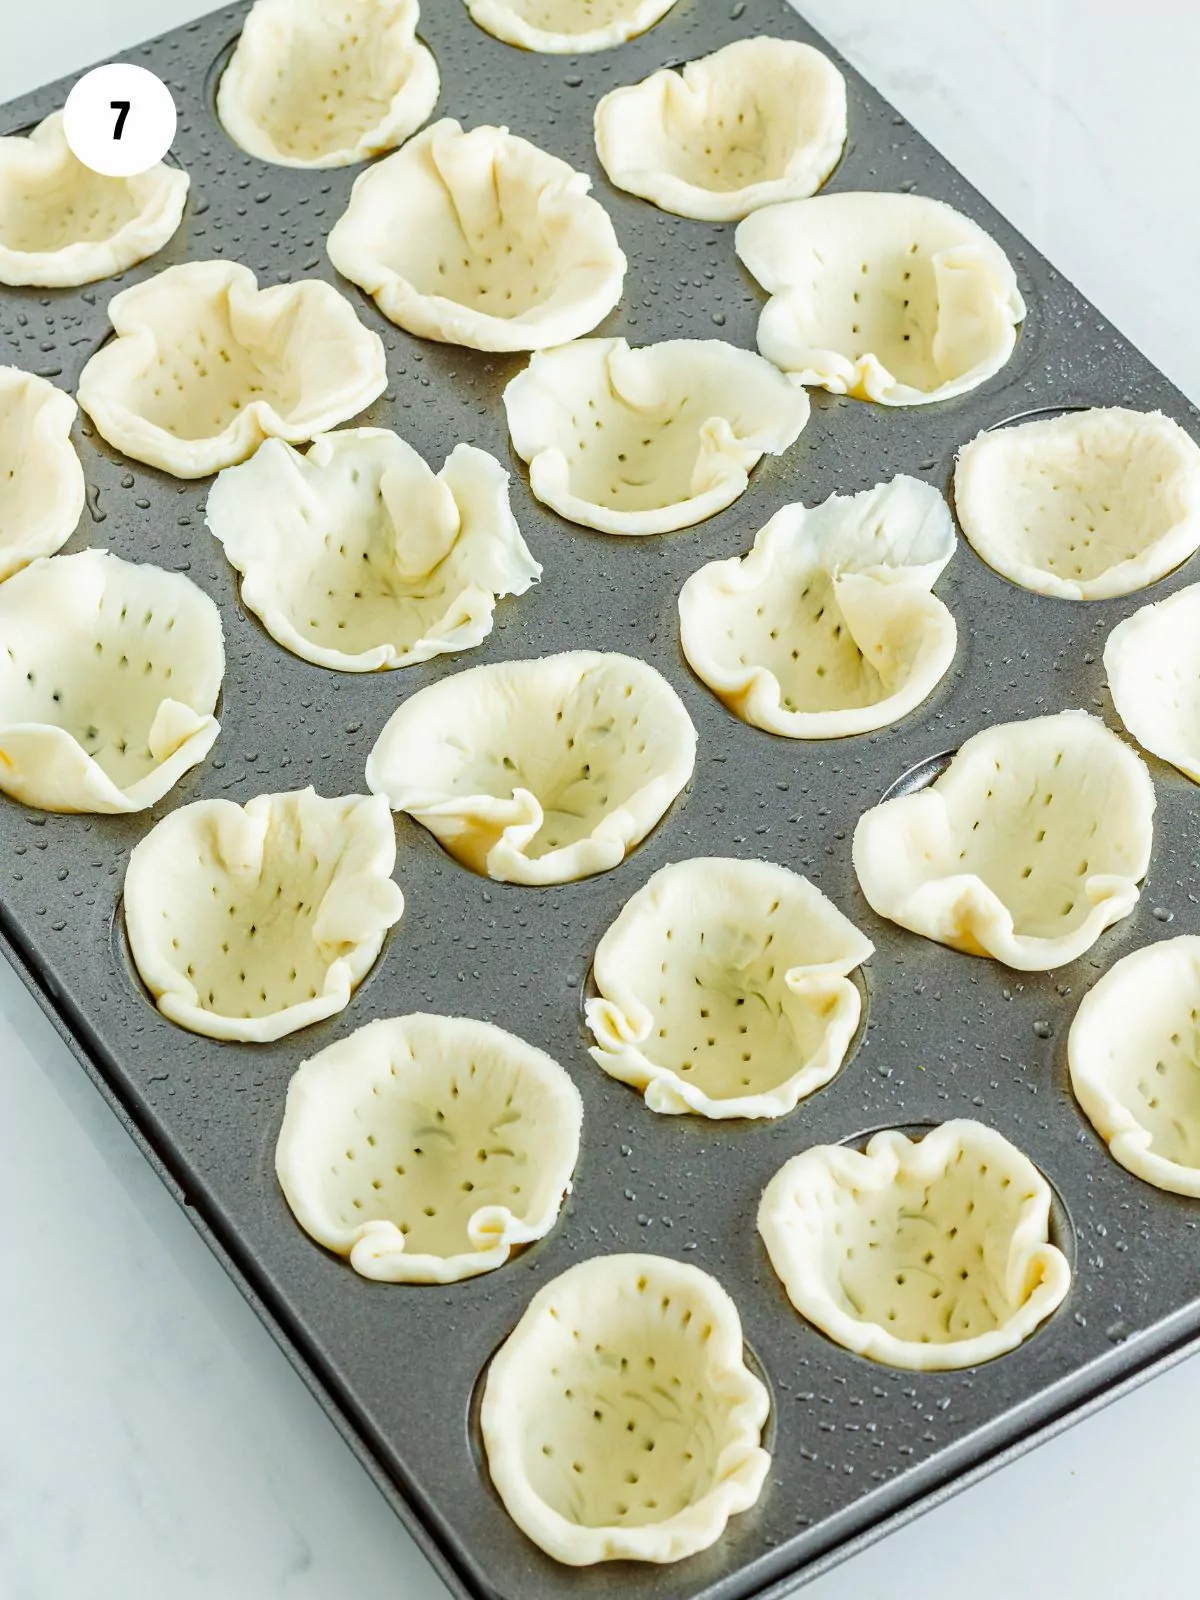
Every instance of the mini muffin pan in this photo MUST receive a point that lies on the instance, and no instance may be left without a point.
(855, 1446)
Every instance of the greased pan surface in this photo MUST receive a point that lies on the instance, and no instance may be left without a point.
(945, 1035)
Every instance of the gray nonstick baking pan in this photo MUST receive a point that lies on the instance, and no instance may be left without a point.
(856, 1446)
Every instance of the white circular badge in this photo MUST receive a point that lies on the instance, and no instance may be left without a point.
(119, 120)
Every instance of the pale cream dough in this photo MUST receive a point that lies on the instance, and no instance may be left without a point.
(357, 557)
(1084, 506)
(1031, 842)
(756, 123)
(829, 626)
(61, 224)
(480, 239)
(1153, 664)
(41, 478)
(723, 989)
(648, 440)
(1134, 1053)
(619, 1417)
(206, 365)
(428, 1149)
(931, 1255)
(108, 682)
(248, 922)
(888, 297)
(326, 83)
(567, 27)
(538, 771)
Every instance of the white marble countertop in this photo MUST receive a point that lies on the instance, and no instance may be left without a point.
(155, 1442)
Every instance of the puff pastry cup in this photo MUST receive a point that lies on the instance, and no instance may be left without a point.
(248, 922)
(1153, 664)
(930, 1255)
(61, 224)
(1084, 506)
(480, 239)
(723, 989)
(320, 84)
(887, 297)
(567, 27)
(357, 557)
(41, 477)
(829, 626)
(1134, 1054)
(539, 771)
(755, 123)
(1031, 842)
(427, 1149)
(108, 682)
(206, 365)
(620, 1420)
(648, 440)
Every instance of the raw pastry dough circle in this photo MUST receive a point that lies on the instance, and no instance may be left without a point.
(426, 1149)
(1084, 506)
(620, 1419)
(357, 557)
(108, 683)
(552, 27)
(723, 989)
(930, 1255)
(41, 477)
(888, 297)
(518, 768)
(61, 224)
(480, 239)
(248, 922)
(1153, 664)
(829, 626)
(327, 83)
(648, 440)
(206, 365)
(758, 122)
(1134, 1050)
(1031, 842)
